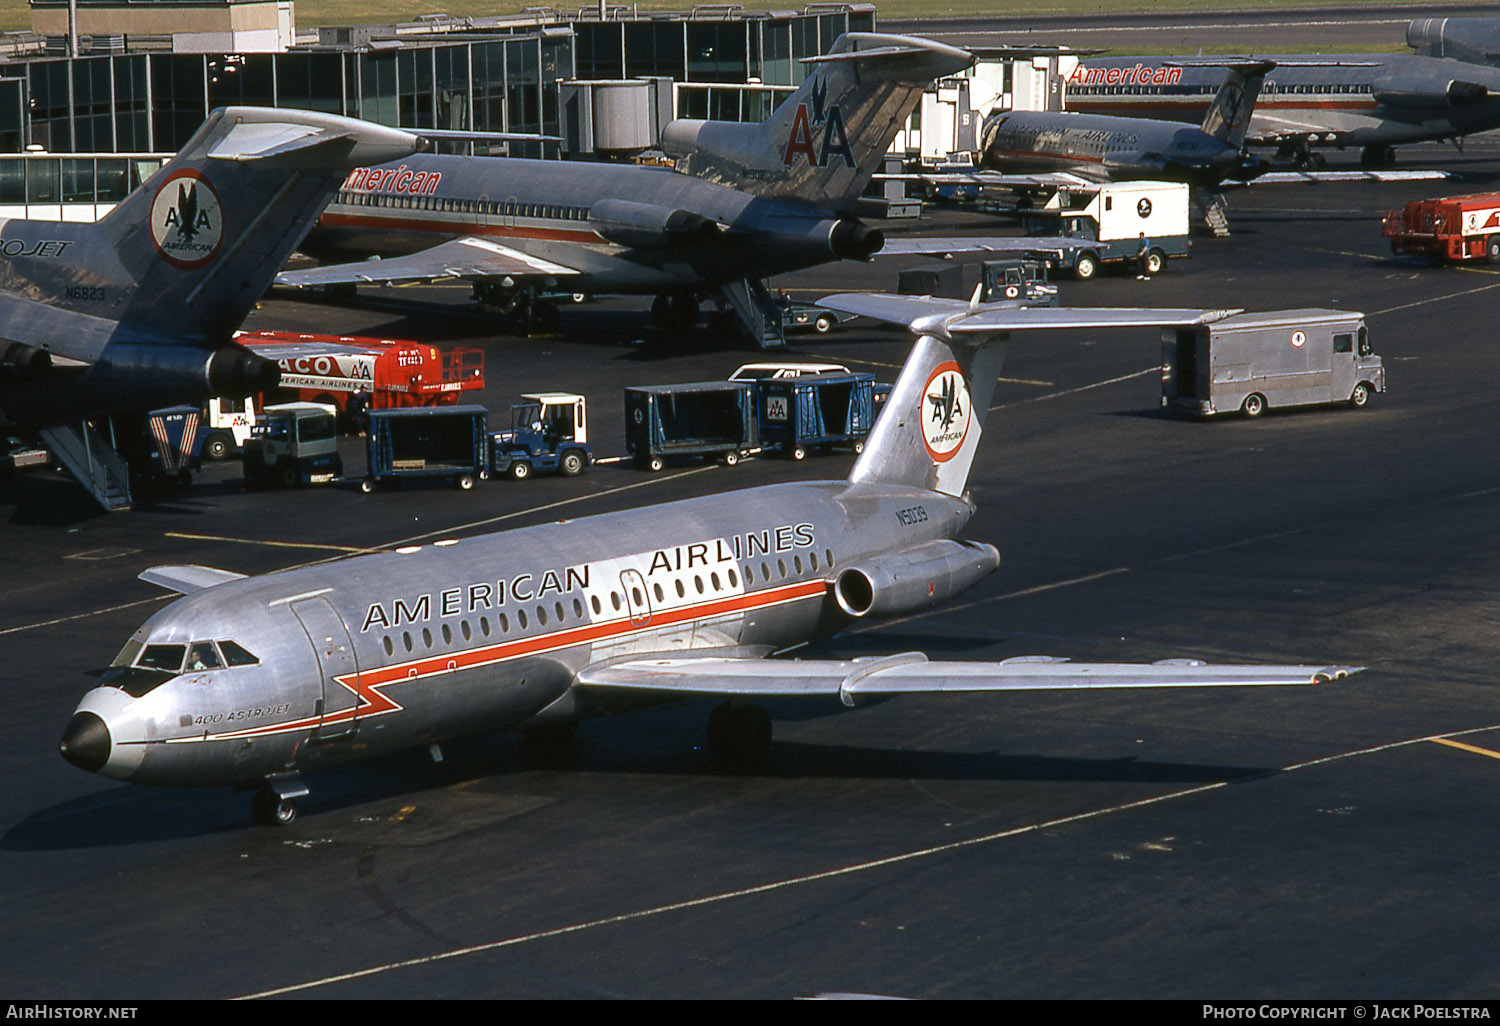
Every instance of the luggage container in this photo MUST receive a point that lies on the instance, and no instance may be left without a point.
(175, 443)
(708, 418)
(449, 442)
(815, 413)
(1252, 362)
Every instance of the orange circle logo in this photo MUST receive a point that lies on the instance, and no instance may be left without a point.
(946, 411)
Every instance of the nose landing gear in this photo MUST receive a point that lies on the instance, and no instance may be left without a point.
(275, 804)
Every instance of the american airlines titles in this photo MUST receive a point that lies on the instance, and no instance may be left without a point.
(397, 179)
(740, 546)
(1138, 75)
(473, 597)
(528, 587)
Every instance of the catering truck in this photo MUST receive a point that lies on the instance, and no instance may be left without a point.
(1450, 229)
(1111, 218)
(1252, 362)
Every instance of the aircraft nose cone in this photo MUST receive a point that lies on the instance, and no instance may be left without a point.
(86, 742)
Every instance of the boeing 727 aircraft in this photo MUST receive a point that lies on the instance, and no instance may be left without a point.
(744, 202)
(1132, 148)
(247, 682)
(138, 309)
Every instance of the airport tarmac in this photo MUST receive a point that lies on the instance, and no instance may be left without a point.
(1320, 842)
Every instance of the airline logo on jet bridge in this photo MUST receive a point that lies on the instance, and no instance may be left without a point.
(187, 220)
(946, 421)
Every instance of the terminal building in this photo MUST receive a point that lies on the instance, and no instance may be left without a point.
(97, 79)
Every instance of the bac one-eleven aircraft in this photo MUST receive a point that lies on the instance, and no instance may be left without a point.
(248, 681)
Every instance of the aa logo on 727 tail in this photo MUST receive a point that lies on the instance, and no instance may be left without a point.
(187, 220)
(946, 411)
(835, 137)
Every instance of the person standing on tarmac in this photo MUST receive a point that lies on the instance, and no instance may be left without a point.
(1143, 258)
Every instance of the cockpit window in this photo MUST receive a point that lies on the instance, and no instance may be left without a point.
(162, 657)
(202, 655)
(236, 655)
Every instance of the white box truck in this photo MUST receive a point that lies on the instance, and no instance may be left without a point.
(1112, 217)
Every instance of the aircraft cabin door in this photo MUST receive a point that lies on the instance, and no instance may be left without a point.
(335, 654)
(637, 600)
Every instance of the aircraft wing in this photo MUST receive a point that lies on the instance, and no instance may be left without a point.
(458, 258)
(912, 673)
(1045, 246)
(951, 317)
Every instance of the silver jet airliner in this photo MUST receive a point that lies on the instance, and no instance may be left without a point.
(247, 682)
(744, 201)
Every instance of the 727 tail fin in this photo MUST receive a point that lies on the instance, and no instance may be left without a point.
(825, 140)
(929, 431)
(192, 250)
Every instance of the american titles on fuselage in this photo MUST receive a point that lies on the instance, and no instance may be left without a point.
(1141, 74)
(394, 179)
(479, 596)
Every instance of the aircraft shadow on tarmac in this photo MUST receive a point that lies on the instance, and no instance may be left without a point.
(514, 783)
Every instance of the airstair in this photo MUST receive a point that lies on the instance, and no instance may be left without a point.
(93, 461)
(758, 310)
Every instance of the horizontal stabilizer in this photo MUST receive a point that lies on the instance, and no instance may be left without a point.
(947, 318)
(188, 578)
(913, 673)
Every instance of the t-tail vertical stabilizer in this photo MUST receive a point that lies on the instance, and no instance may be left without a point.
(1228, 117)
(825, 141)
(929, 431)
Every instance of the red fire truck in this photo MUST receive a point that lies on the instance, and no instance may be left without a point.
(370, 373)
(1451, 229)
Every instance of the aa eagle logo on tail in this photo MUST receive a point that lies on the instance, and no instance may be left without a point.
(187, 222)
(946, 411)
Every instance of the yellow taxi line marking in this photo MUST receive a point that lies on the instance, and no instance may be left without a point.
(1463, 747)
(164, 597)
(1437, 299)
(834, 873)
(261, 541)
(83, 616)
(1081, 388)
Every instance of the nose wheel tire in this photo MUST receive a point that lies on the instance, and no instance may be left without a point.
(270, 809)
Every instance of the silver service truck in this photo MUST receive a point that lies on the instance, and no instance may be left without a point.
(1252, 362)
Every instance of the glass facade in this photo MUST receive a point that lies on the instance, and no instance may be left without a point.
(153, 102)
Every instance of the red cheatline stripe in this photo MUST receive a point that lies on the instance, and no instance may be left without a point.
(445, 227)
(374, 702)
